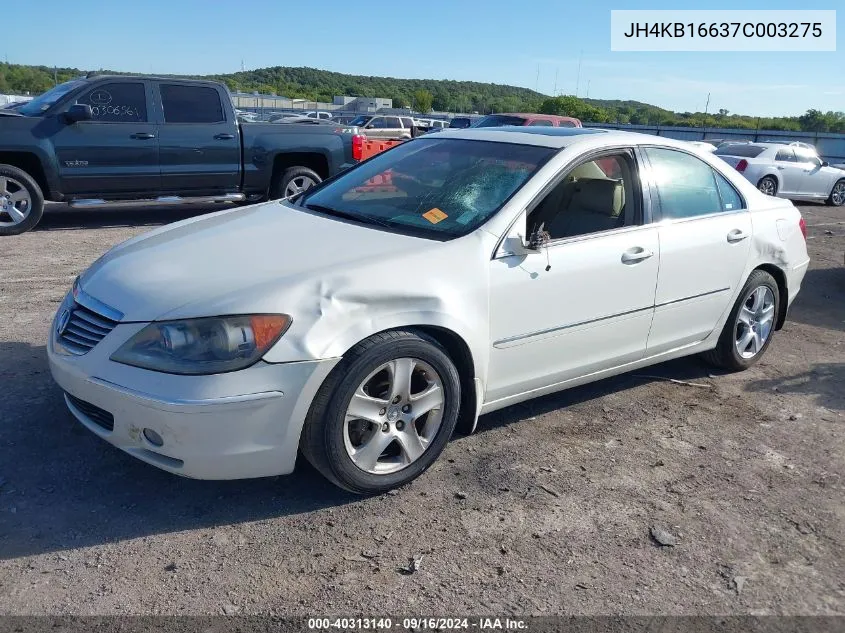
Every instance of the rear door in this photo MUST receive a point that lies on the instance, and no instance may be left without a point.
(116, 152)
(790, 169)
(199, 142)
(705, 237)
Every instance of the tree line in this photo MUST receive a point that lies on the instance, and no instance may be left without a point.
(425, 95)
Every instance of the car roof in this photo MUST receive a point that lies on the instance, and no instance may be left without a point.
(557, 137)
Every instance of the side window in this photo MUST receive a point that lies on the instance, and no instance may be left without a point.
(392, 122)
(686, 185)
(567, 124)
(731, 200)
(191, 104)
(785, 156)
(377, 122)
(117, 102)
(541, 122)
(598, 195)
(407, 123)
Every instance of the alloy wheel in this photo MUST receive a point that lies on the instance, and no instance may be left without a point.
(298, 185)
(767, 186)
(15, 202)
(754, 322)
(837, 196)
(393, 416)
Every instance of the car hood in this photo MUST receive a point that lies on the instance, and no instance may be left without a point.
(235, 261)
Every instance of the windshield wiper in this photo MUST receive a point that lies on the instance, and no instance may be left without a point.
(363, 219)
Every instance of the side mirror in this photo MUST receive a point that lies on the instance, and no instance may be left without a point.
(537, 240)
(78, 112)
(825, 163)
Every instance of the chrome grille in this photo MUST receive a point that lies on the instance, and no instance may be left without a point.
(84, 329)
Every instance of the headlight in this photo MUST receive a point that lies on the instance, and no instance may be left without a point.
(210, 345)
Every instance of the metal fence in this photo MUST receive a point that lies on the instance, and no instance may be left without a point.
(831, 147)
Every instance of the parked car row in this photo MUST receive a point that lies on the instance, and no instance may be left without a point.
(788, 170)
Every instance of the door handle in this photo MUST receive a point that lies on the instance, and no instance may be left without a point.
(143, 136)
(224, 137)
(779, 167)
(635, 255)
(736, 236)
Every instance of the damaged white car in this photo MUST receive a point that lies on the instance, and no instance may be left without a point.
(364, 322)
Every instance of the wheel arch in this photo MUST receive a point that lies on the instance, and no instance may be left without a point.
(460, 353)
(31, 164)
(783, 290)
(775, 177)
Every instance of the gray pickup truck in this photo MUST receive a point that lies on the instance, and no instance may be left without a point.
(152, 140)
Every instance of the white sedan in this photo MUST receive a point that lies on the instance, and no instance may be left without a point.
(363, 322)
(792, 171)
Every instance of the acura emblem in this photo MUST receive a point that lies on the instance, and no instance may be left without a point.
(61, 323)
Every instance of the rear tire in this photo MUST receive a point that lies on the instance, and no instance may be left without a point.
(21, 201)
(768, 185)
(750, 327)
(405, 434)
(292, 181)
(837, 194)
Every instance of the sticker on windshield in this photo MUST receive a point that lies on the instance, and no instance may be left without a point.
(434, 215)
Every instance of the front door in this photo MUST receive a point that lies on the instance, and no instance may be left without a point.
(584, 303)
(200, 141)
(116, 152)
(705, 237)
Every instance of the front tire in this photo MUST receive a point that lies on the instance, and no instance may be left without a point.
(384, 414)
(293, 181)
(768, 185)
(750, 325)
(837, 194)
(21, 201)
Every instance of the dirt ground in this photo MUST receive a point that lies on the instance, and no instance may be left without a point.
(546, 510)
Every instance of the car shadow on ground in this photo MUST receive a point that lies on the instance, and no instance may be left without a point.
(60, 217)
(820, 301)
(689, 369)
(824, 381)
(61, 487)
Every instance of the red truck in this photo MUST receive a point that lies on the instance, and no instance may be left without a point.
(527, 118)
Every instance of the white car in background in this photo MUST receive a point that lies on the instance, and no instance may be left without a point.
(708, 147)
(362, 324)
(792, 171)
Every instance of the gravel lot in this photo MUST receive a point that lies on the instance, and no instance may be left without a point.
(546, 510)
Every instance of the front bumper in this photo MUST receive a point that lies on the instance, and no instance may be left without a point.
(224, 426)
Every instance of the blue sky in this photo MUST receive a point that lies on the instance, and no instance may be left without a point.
(484, 40)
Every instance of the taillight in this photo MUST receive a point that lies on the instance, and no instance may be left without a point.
(357, 146)
(803, 226)
(742, 165)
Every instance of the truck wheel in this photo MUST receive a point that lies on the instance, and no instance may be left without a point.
(21, 201)
(292, 181)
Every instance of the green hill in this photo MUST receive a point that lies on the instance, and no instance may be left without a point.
(449, 96)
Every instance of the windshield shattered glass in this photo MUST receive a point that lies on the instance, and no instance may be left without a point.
(434, 188)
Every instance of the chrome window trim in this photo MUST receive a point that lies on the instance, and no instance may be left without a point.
(658, 206)
(645, 189)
